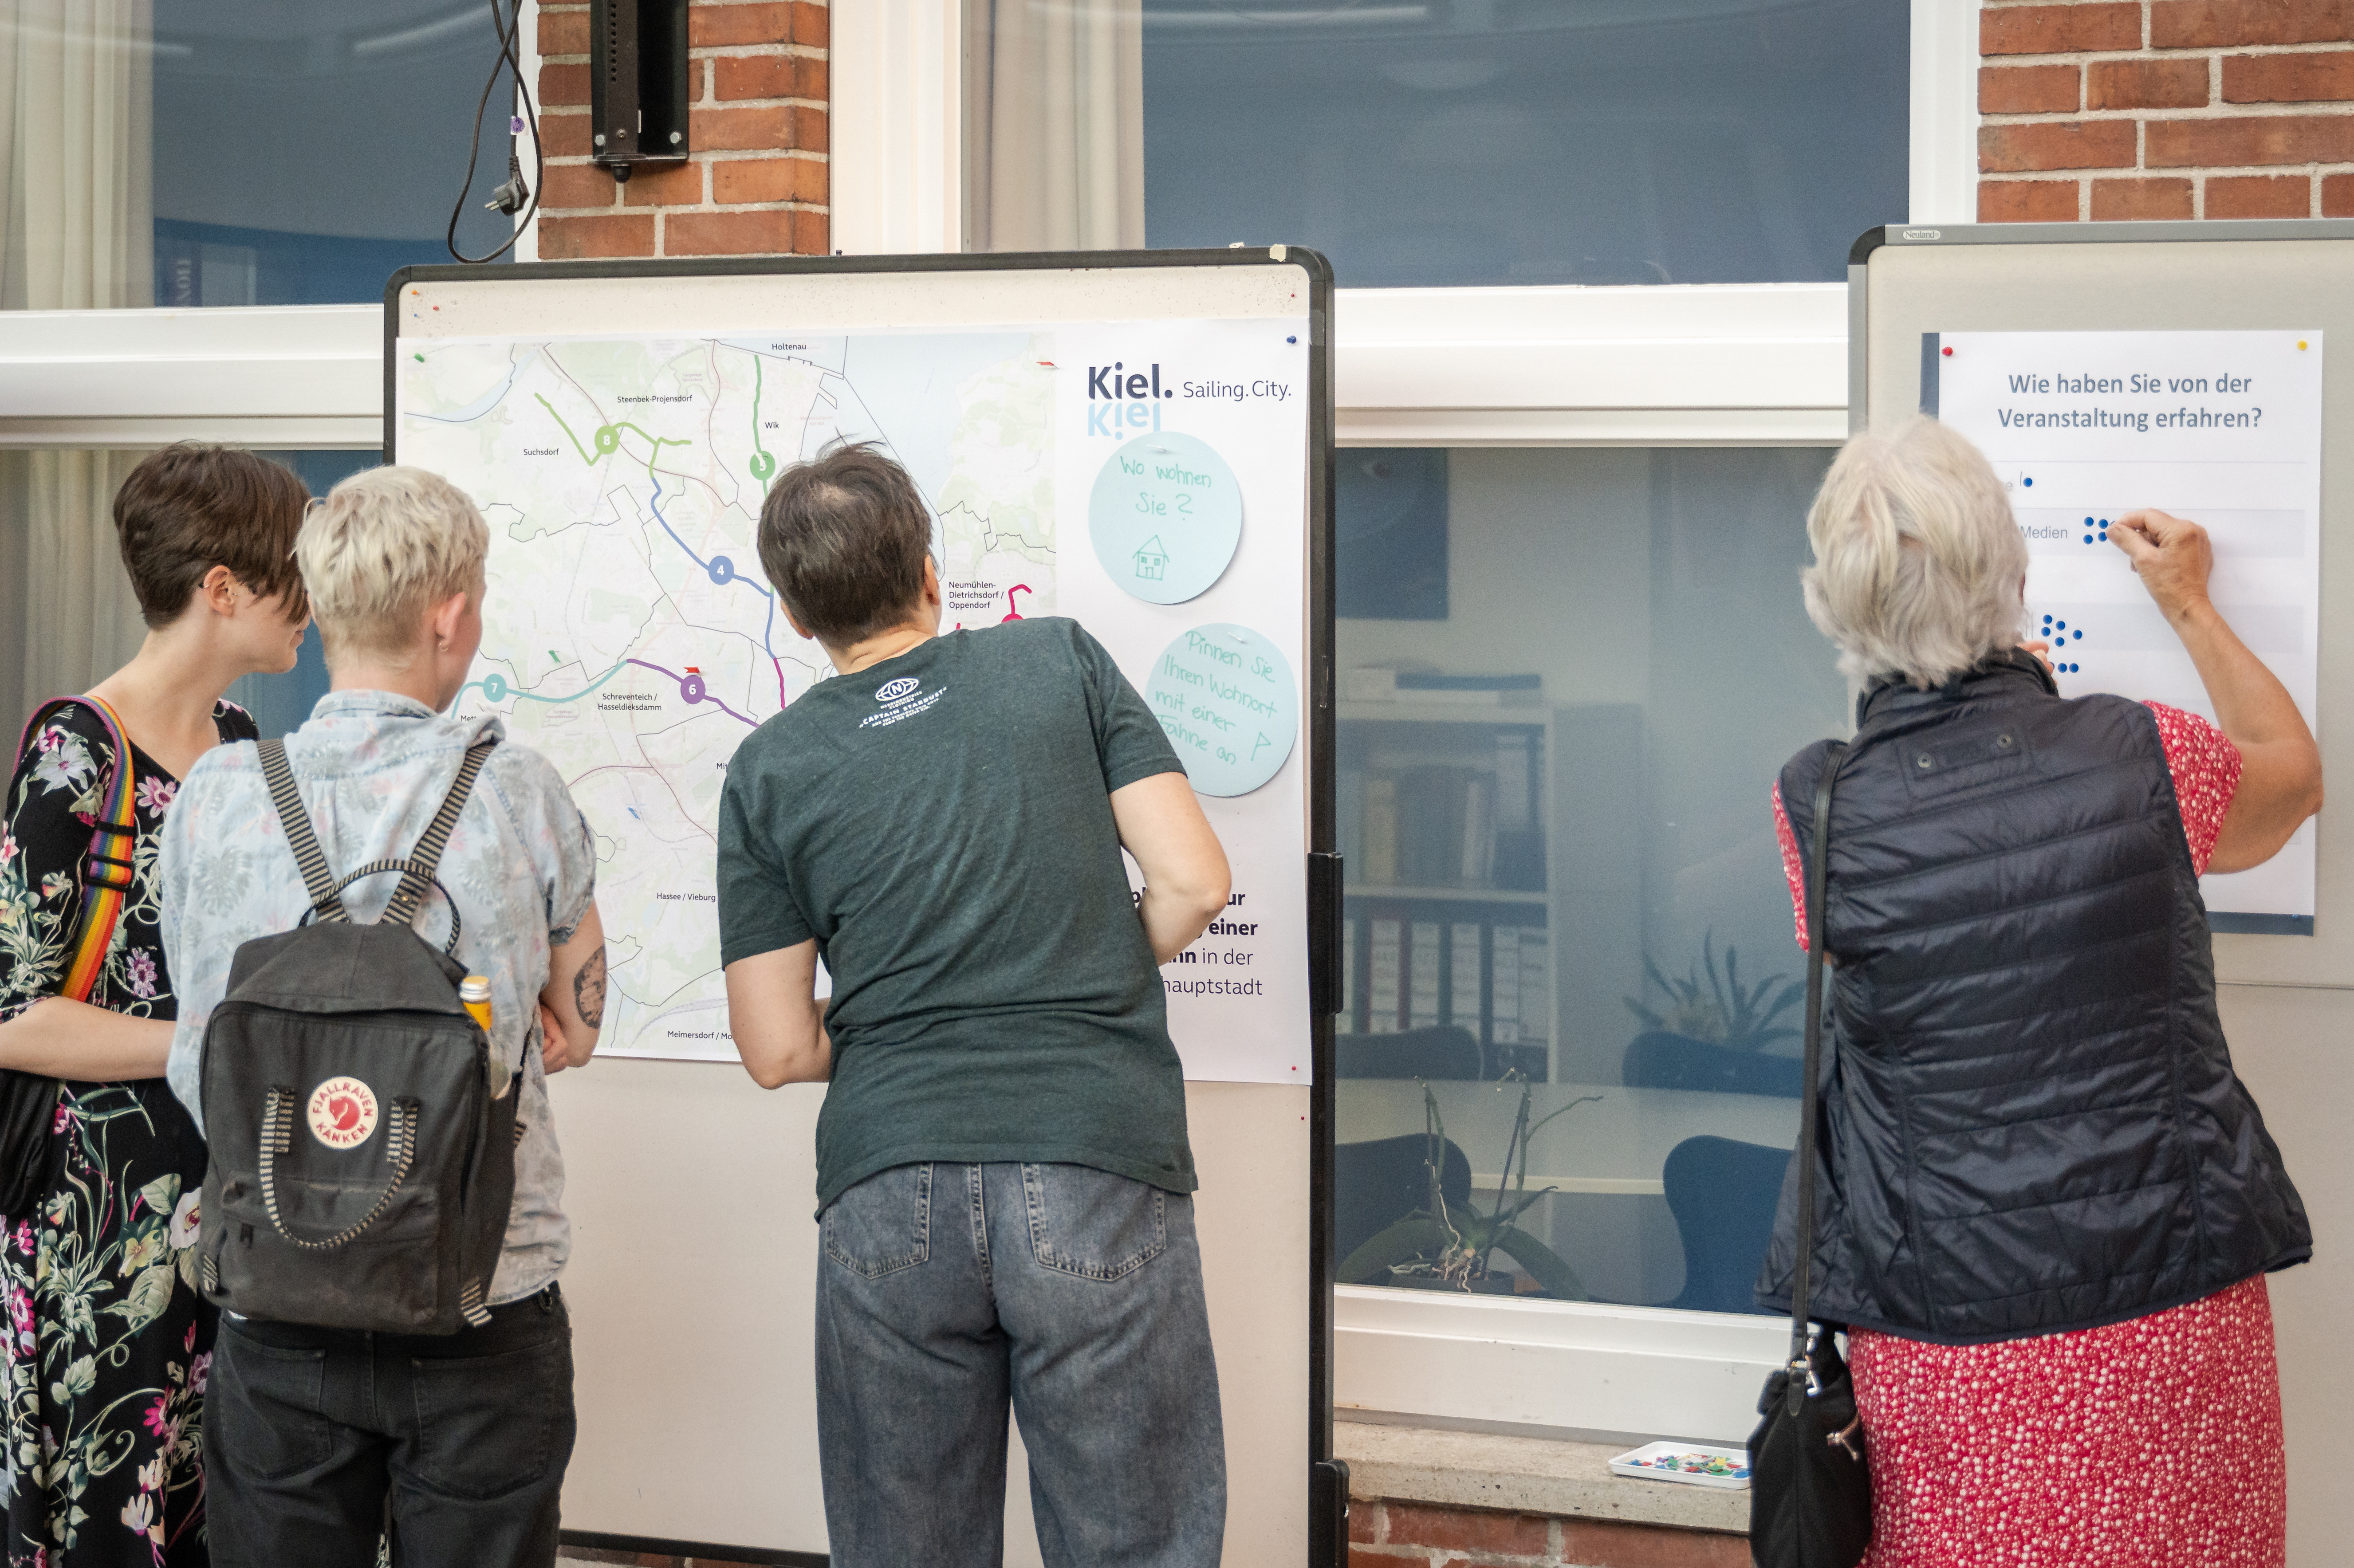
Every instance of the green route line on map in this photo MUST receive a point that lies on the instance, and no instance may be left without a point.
(566, 430)
(763, 465)
(719, 568)
(609, 437)
(616, 429)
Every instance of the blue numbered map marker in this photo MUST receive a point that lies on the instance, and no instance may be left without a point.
(1165, 516)
(1226, 698)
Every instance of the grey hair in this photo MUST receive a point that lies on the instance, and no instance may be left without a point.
(1918, 562)
(382, 546)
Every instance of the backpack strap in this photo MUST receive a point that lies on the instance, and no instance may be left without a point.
(378, 867)
(427, 856)
(326, 902)
(110, 867)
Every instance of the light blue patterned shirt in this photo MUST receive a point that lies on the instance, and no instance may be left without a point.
(372, 767)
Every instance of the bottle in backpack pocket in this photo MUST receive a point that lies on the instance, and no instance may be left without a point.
(474, 996)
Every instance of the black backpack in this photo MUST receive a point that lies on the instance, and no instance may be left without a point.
(363, 1160)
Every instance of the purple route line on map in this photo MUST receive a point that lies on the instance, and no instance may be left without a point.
(691, 687)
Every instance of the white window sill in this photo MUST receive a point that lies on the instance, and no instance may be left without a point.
(1523, 1475)
(1735, 364)
(272, 377)
(1644, 1372)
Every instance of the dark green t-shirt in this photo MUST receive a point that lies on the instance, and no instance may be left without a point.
(940, 823)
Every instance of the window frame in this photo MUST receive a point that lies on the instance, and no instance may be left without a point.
(1728, 364)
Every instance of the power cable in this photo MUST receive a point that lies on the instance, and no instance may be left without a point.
(513, 196)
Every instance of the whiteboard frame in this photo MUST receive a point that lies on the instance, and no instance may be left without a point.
(2248, 949)
(1325, 1484)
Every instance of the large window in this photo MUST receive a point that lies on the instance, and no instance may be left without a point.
(242, 152)
(1564, 885)
(1447, 141)
(304, 153)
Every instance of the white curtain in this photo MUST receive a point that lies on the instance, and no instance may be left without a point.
(1054, 124)
(77, 232)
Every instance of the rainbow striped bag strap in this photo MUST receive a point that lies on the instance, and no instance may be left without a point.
(114, 845)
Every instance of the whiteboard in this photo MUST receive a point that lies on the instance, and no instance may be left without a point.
(2264, 278)
(693, 1274)
(2084, 427)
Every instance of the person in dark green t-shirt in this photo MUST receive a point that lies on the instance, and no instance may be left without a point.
(1003, 1177)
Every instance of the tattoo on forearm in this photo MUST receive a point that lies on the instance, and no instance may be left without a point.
(589, 989)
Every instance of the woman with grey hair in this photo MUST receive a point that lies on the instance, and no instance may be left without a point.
(2045, 1205)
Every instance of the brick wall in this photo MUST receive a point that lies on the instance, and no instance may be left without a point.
(755, 183)
(2166, 108)
(1425, 1535)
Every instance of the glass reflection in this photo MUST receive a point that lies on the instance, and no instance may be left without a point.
(1460, 142)
(1570, 953)
(304, 149)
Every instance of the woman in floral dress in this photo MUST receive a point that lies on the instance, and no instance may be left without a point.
(106, 1342)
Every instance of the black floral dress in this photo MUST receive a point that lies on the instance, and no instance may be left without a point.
(107, 1343)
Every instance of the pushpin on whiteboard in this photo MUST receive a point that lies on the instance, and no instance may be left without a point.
(1947, 352)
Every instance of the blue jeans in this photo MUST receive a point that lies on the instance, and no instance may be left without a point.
(946, 1291)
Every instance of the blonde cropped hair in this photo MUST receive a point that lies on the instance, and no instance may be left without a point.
(1918, 562)
(382, 546)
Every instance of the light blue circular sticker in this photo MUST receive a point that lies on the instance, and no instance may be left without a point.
(1226, 698)
(1165, 516)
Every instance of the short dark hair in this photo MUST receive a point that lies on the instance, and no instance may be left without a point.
(843, 539)
(192, 507)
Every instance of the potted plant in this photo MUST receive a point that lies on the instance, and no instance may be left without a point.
(1437, 1247)
(1710, 1031)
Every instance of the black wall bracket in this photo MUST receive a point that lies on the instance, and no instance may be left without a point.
(1328, 1513)
(637, 83)
(1325, 956)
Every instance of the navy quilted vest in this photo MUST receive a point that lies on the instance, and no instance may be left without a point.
(2031, 1123)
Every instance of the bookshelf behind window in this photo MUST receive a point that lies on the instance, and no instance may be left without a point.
(1444, 814)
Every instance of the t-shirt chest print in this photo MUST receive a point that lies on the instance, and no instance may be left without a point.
(901, 699)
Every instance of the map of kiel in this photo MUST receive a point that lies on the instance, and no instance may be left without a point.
(629, 633)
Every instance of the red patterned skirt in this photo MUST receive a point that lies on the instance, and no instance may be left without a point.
(2149, 1443)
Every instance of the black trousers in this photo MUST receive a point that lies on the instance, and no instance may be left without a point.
(315, 1438)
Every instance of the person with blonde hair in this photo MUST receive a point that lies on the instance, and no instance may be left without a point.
(2046, 1206)
(321, 1436)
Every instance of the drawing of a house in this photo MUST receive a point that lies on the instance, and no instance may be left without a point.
(1151, 561)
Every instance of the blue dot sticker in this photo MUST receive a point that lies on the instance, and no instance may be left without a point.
(1226, 698)
(1165, 517)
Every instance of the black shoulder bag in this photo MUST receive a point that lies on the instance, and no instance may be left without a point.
(1811, 1484)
